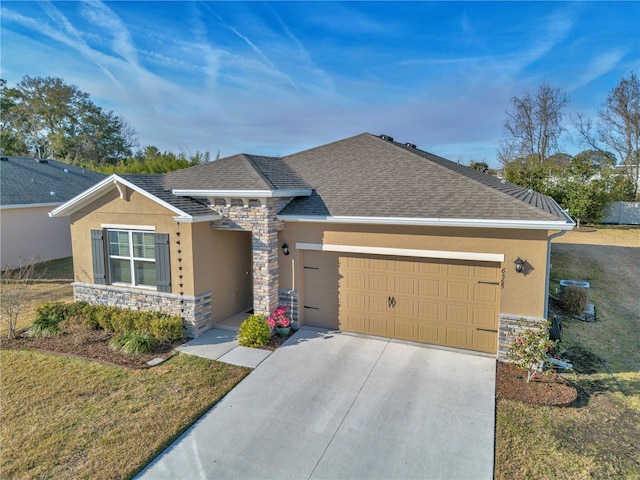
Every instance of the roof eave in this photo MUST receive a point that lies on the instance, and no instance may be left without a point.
(100, 189)
(29, 205)
(242, 193)
(435, 222)
(198, 218)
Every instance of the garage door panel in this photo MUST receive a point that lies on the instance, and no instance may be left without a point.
(484, 317)
(457, 314)
(405, 330)
(428, 310)
(429, 288)
(489, 273)
(380, 264)
(458, 337)
(405, 307)
(378, 283)
(458, 270)
(356, 281)
(485, 293)
(429, 334)
(430, 267)
(381, 326)
(458, 291)
(354, 323)
(484, 341)
(405, 285)
(378, 304)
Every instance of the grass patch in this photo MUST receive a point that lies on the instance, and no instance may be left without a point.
(69, 418)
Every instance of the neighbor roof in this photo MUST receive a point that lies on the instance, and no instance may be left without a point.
(27, 181)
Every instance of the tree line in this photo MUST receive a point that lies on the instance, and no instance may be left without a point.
(47, 118)
(607, 170)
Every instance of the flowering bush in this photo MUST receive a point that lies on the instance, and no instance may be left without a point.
(530, 349)
(279, 318)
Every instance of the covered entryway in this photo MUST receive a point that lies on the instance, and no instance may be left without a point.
(453, 303)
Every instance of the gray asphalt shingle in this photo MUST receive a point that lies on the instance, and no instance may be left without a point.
(25, 181)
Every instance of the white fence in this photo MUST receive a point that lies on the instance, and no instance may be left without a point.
(623, 213)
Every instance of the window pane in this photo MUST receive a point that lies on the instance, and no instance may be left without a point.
(119, 243)
(144, 245)
(120, 271)
(145, 273)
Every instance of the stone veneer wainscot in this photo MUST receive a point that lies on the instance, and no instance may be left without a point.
(511, 327)
(195, 311)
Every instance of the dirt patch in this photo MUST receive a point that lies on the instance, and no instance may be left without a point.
(547, 389)
(583, 360)
(86, 342)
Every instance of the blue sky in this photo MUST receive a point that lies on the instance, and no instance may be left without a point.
(278, 77)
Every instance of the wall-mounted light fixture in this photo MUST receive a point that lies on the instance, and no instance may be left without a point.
(519, 264)
(285, 248)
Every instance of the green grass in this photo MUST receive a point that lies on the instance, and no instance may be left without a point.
(72, 418)
(598, 437)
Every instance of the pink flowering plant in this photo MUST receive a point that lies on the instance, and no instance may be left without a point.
(279, 318)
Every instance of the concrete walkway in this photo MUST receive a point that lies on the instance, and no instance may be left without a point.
(222, 345)
(328, 405)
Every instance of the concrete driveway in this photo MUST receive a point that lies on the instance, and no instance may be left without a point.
(333, 405)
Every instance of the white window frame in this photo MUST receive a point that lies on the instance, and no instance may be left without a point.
(131, 258)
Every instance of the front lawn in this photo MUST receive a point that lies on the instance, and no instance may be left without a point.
(70, 418)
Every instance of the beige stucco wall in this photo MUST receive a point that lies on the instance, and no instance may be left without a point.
(29, 232)
(222, 265)
(521, 295)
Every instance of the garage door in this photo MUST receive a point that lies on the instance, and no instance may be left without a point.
(443, 302)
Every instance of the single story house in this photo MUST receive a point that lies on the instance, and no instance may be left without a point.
(365, 235)
(29, 189)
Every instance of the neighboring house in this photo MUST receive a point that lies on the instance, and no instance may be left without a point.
(364, 235)
(29, 189)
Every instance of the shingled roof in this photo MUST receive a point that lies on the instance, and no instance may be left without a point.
(27, 181)
(371, 176)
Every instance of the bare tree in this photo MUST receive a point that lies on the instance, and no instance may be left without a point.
(14, 293)
(534, 125)
(618, 128)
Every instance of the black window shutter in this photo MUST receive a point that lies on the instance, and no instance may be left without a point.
(163, 265)
(97, 254)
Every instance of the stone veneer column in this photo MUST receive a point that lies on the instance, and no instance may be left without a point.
(264, 225)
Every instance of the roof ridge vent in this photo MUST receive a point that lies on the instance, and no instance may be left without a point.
(410, 145)
(386, 137)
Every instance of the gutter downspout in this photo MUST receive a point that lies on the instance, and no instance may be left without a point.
(546, 297)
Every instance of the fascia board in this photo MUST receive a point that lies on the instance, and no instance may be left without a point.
(99, 189)
(29, 205)
(241, 193)
(434, 222)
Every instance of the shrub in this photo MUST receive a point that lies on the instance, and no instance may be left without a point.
(133, 343)
(254, 331)
(45, 326)
(104, 315)
(574, 300)
(124, 321)
(53, 310)
(77, 311)
(90, 315)
(166, 328)
(529, 351)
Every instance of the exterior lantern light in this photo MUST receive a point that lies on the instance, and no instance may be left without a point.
(285, 248)
(519, 264)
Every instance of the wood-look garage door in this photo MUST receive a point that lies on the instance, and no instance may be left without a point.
(444, 302)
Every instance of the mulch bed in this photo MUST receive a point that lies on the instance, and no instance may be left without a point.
(84, 342)
(547, 388)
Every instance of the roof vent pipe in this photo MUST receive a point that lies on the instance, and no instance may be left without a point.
(410, 145)
(387, 138)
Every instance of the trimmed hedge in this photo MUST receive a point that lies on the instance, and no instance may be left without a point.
(160, 326)
(254, 331)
